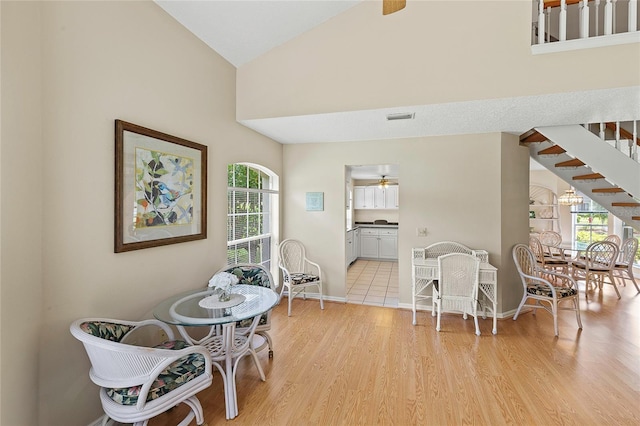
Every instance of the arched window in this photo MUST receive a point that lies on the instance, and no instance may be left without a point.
(252, 193)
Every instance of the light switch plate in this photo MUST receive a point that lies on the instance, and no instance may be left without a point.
(421, 232)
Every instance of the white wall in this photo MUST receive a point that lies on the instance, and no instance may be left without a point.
(452, 185)
(100, 61)
(432, 52)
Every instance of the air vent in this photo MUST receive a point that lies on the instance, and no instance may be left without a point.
(401, 116)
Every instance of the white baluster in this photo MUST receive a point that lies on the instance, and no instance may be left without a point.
(633, 15)
(634, 150)
(614, 26)
(584, 19)
(601, 134)
(597, 3)
(541, 22)
(608, 17)
(563, 20)
(617, 135)
(548, 24)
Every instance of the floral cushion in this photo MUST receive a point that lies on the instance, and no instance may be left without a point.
(543, 290)
(175, 375)
(106, 330)
(251, 276)
(301, 278)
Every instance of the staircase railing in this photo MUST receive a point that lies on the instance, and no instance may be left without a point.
(561, 20)
(623, 136)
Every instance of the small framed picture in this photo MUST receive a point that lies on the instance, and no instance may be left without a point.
(315, 201)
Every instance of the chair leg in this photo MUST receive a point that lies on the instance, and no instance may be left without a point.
(196, 410)
(524, 299)
(613, 282)
(289, 297)
(320, 291)
(439, 303)
(254, 355)
(633, 279)
(554, 310)
(576, 304)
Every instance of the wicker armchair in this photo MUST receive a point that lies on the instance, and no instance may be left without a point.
(137, 382)
(537, 288)
(457, 286)
(298, 272)
(254, 274)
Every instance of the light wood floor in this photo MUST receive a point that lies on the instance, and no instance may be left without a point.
(364, 365)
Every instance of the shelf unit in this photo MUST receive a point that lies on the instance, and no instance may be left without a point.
(543, 210)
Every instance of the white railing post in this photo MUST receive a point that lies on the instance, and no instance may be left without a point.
(633, 16)
(541, 22)
(634, 149)
(608, 18)
(614, 25)
(584, 19)
(617, 135)
(563, 20)
(548, 24)
(597, 6)
(601, 133)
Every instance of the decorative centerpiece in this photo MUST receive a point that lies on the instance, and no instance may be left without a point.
(223, 282)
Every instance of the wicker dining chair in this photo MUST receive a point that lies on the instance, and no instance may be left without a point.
(597, 264)
(624, 264)
(457, 286)
(538, 288)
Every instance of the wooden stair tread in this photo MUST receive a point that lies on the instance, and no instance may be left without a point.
(635, 217)
(570, 163)
(625, 204)
(555, 149)
(588, 176)
(534, 137)
(608, 190)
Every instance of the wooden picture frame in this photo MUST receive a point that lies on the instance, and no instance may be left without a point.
(160, 188)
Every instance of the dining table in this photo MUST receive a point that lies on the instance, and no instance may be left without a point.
(427, 270)
(202, 308)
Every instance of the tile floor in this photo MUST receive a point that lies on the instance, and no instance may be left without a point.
(371, 282)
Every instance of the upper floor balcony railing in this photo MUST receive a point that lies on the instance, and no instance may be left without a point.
(575, 24)
(623, 136)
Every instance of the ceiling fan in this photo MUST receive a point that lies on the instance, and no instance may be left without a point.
(391, 6)
(383, 182)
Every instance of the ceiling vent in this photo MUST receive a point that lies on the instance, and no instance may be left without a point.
(401, 116)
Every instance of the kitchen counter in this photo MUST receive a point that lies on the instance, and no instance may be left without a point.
(392, 225)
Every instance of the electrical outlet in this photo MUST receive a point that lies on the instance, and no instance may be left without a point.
(421, 232)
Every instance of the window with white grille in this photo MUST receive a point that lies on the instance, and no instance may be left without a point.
(251, 195)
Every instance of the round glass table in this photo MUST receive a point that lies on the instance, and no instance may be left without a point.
(201, 308)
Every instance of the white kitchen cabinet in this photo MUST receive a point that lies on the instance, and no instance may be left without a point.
(378, 243)
(373, 197)
(356, 244)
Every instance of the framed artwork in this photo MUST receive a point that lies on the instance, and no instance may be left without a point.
(315, 201)
(160, 189)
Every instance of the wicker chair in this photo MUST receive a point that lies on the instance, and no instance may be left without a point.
(551, 263)
(624, 265)
(546, 295)
(298, 272)
(254, 274)
(614, 239)
(457, 286)
(550, 241)
(598, 263)
(136, 382)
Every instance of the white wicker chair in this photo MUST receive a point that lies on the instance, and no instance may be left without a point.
(421, 284)
(298, 272)
(254, 274)
(550, 263)
(550, 241)
(137, 382)
(457, 286)
(547, 296)
(598, 263)
(624, 265)
(614, 239)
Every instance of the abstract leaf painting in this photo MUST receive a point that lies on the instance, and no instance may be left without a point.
(160, 188)
(164, 189)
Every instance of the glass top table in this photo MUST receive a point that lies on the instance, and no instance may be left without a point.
(185, 308)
